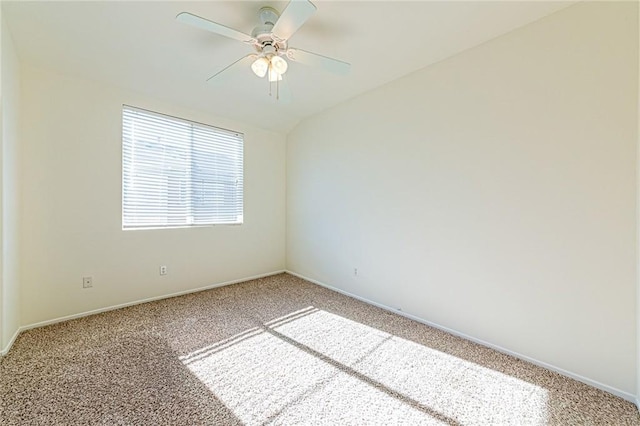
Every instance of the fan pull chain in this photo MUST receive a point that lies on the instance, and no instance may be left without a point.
(270, 74)
(277, 89)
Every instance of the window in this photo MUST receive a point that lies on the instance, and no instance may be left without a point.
(179, 173)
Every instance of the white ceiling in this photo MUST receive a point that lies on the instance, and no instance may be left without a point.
(140, 46)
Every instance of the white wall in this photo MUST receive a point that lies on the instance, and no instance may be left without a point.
(492, 193)
(3, 348)
(637, 401)
(71, 226)
(10, 205)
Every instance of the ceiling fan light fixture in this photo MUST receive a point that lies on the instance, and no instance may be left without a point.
(274, 75)
(279, 65)
(260, 66)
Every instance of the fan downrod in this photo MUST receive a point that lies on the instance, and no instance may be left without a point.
(268, 16)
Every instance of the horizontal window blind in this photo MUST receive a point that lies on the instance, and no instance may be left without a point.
(179, 173)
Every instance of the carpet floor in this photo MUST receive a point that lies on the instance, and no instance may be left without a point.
(279, 350)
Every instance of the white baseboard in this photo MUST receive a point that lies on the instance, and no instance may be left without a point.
(4, 351)
(124, 305)
(622, 394)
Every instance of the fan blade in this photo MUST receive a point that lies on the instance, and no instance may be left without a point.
(245, 61)
(294, 15)
(214, 27)
(313, 59)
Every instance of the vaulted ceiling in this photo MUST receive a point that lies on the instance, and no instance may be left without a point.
(140, 46)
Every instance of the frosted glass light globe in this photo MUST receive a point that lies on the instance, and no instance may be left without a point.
(279, 65)
(274, 75)
(260, 67)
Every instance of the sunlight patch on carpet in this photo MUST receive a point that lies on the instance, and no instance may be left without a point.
(313, 366)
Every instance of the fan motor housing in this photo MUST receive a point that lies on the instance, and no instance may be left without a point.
(263, 32)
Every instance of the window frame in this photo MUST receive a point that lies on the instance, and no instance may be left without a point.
(190, 181)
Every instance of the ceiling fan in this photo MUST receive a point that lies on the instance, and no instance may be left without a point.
(270, 41)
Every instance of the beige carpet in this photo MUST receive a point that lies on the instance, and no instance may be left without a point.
(279, 351)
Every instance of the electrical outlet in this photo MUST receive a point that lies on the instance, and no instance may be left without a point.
(163, 270)
(87, 282)
(355, 272)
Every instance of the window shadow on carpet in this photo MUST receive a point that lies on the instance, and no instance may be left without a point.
(132, 380)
